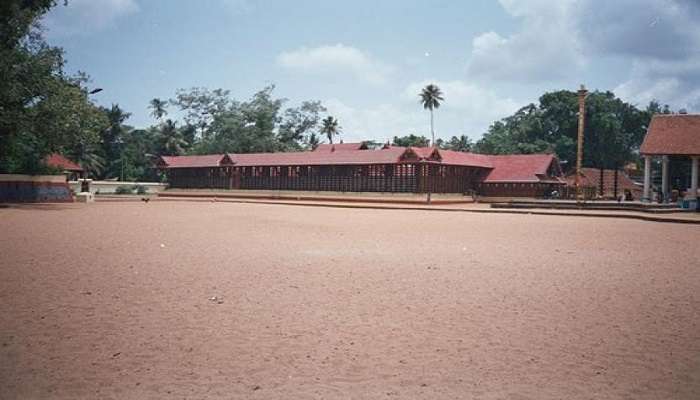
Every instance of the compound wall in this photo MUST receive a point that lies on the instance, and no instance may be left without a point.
(34, 188)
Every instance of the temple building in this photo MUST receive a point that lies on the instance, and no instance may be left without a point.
(353, 167)
(70, 169)
(674, 138)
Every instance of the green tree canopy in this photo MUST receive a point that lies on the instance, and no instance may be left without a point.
(456, 143)
(42, 109)
(410, 140)
(614, 129)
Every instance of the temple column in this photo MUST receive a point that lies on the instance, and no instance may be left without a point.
(694, 178)
(647, 179)
(664, 178)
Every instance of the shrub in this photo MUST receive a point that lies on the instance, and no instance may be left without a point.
(140, 189)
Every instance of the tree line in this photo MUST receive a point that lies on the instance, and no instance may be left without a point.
(44, 110)
(614, 130)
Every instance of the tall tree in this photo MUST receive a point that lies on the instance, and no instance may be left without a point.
(330, 128)
(42, 109)
(159, 108)
(431, 96)
(114, 141)
(614, 130)
(171, 140)
(297, 123)
(201, 106)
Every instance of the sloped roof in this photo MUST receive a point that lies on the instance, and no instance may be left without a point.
(58, 161)
(521, 168)
(504, 168)
(451, 157)
(208, 160)
(673, 134)
(345, 157)
(591, 177)
(341, 146)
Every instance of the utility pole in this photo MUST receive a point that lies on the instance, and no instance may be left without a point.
(582, 93)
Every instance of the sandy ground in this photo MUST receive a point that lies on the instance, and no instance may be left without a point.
(113, 301)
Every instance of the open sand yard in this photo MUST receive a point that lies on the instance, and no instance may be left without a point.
(199, 300)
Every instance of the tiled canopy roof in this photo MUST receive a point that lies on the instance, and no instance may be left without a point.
(208, 160)
(525, 168)
(341, 146)
(505, 168)
(591, 177)
(389, 155)
(58, 161)
(345, 157)
(675, 134)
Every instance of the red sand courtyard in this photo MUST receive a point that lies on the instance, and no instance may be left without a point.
(219, 300)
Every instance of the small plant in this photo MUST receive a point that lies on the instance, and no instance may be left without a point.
(141, 189)
(124, 190)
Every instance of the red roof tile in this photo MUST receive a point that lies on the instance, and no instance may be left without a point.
(509, 168)
(341, 146)
(208, 160)
(58, 161)
(520, 168)
(591, 177)
(451, 157)
(346, 157)
(676, 134)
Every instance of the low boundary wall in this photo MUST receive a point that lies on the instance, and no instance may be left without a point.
(15, 188)
(110, 187)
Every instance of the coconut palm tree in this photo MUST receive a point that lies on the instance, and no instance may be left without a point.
(431, 96)
(330, 128)
(89, 158)
(172, 142)
(158, 108)
(460, 143)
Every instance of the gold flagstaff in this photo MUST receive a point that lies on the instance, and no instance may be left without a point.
(582, 92)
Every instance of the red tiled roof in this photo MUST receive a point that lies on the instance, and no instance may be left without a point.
(591, 177)
(506, 168)
(346, 157)
(451, 157)
(58, 161)
(521, 168)
(341, 146)
(676, 134)
(208, 160)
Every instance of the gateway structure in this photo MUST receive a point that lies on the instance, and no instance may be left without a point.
(352, 167)
(673, 137)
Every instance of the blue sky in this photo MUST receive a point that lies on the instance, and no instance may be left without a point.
(367, 60)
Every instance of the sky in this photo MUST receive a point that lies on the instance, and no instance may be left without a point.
(367, 60)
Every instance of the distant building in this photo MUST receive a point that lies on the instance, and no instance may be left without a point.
(351, 167)
(72, 170)
(672, 137)
(606, 187)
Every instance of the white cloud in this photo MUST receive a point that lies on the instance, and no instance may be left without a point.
(558, 40)
(661, 38)
(545, 48)
(470, 106)
(676, 83)
(86, 16)
(381, 122)
(335, 60)
(467, 109)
